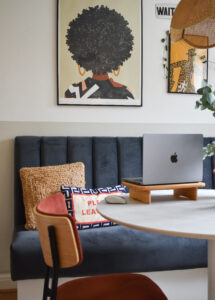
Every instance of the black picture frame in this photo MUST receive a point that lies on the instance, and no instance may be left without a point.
(181, 45)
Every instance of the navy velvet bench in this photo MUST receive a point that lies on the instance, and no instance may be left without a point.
(114, 249)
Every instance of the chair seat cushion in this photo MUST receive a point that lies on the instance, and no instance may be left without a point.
(116, 249)
(113, 286)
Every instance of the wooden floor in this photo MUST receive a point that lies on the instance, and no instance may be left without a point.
(8, 295)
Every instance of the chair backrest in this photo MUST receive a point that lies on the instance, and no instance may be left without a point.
(48, 214)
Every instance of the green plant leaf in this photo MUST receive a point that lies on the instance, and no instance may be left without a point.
(197, 104)
(204, 90)
(200, 91)
(209, 150)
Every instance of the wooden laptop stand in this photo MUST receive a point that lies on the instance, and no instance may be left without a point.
(143, 192)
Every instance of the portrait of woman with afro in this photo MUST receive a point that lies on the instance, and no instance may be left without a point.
(99, 40)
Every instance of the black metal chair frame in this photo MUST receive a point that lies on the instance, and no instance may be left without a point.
(52, 272)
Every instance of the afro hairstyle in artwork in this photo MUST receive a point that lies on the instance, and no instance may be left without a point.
(99, 39)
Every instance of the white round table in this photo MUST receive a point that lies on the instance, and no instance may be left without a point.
(171, 216)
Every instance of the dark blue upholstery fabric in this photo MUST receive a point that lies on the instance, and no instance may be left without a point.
(81, 149)
(207, 168)
(26, 255)
(115, 249)
(213, 167)
(53, 151)
(105, 162)
(130, 157)
(111, 250)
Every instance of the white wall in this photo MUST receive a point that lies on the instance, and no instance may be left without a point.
(28, 94)
(28, 71)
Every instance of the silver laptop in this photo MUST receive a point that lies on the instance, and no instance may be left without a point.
(171, 158)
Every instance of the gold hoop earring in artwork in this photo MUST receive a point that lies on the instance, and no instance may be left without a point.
(79, 70)
(116, 73)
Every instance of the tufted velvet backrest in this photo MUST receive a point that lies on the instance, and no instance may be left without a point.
(107, 160)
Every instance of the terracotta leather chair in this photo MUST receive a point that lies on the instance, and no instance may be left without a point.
(62, 249)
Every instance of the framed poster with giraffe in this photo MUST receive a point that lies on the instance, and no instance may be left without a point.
(100, 52)
(188, 68)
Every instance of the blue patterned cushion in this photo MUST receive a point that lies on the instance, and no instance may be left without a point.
(81, 204)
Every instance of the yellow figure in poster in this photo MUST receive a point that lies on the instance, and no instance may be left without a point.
(186, 70)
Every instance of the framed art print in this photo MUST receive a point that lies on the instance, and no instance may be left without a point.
(100, 52)
(188, 68)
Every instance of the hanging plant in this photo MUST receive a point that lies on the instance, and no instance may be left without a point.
(207, 101)
(209, 150)
(165, 42)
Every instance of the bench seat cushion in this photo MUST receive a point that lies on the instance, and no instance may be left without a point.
(111, 250)
(106, 250)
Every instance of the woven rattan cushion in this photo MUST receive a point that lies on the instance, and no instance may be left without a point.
(41, 182)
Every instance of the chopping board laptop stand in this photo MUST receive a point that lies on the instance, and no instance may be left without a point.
(143, 192)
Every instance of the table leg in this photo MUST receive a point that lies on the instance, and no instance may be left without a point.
(211, 270)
